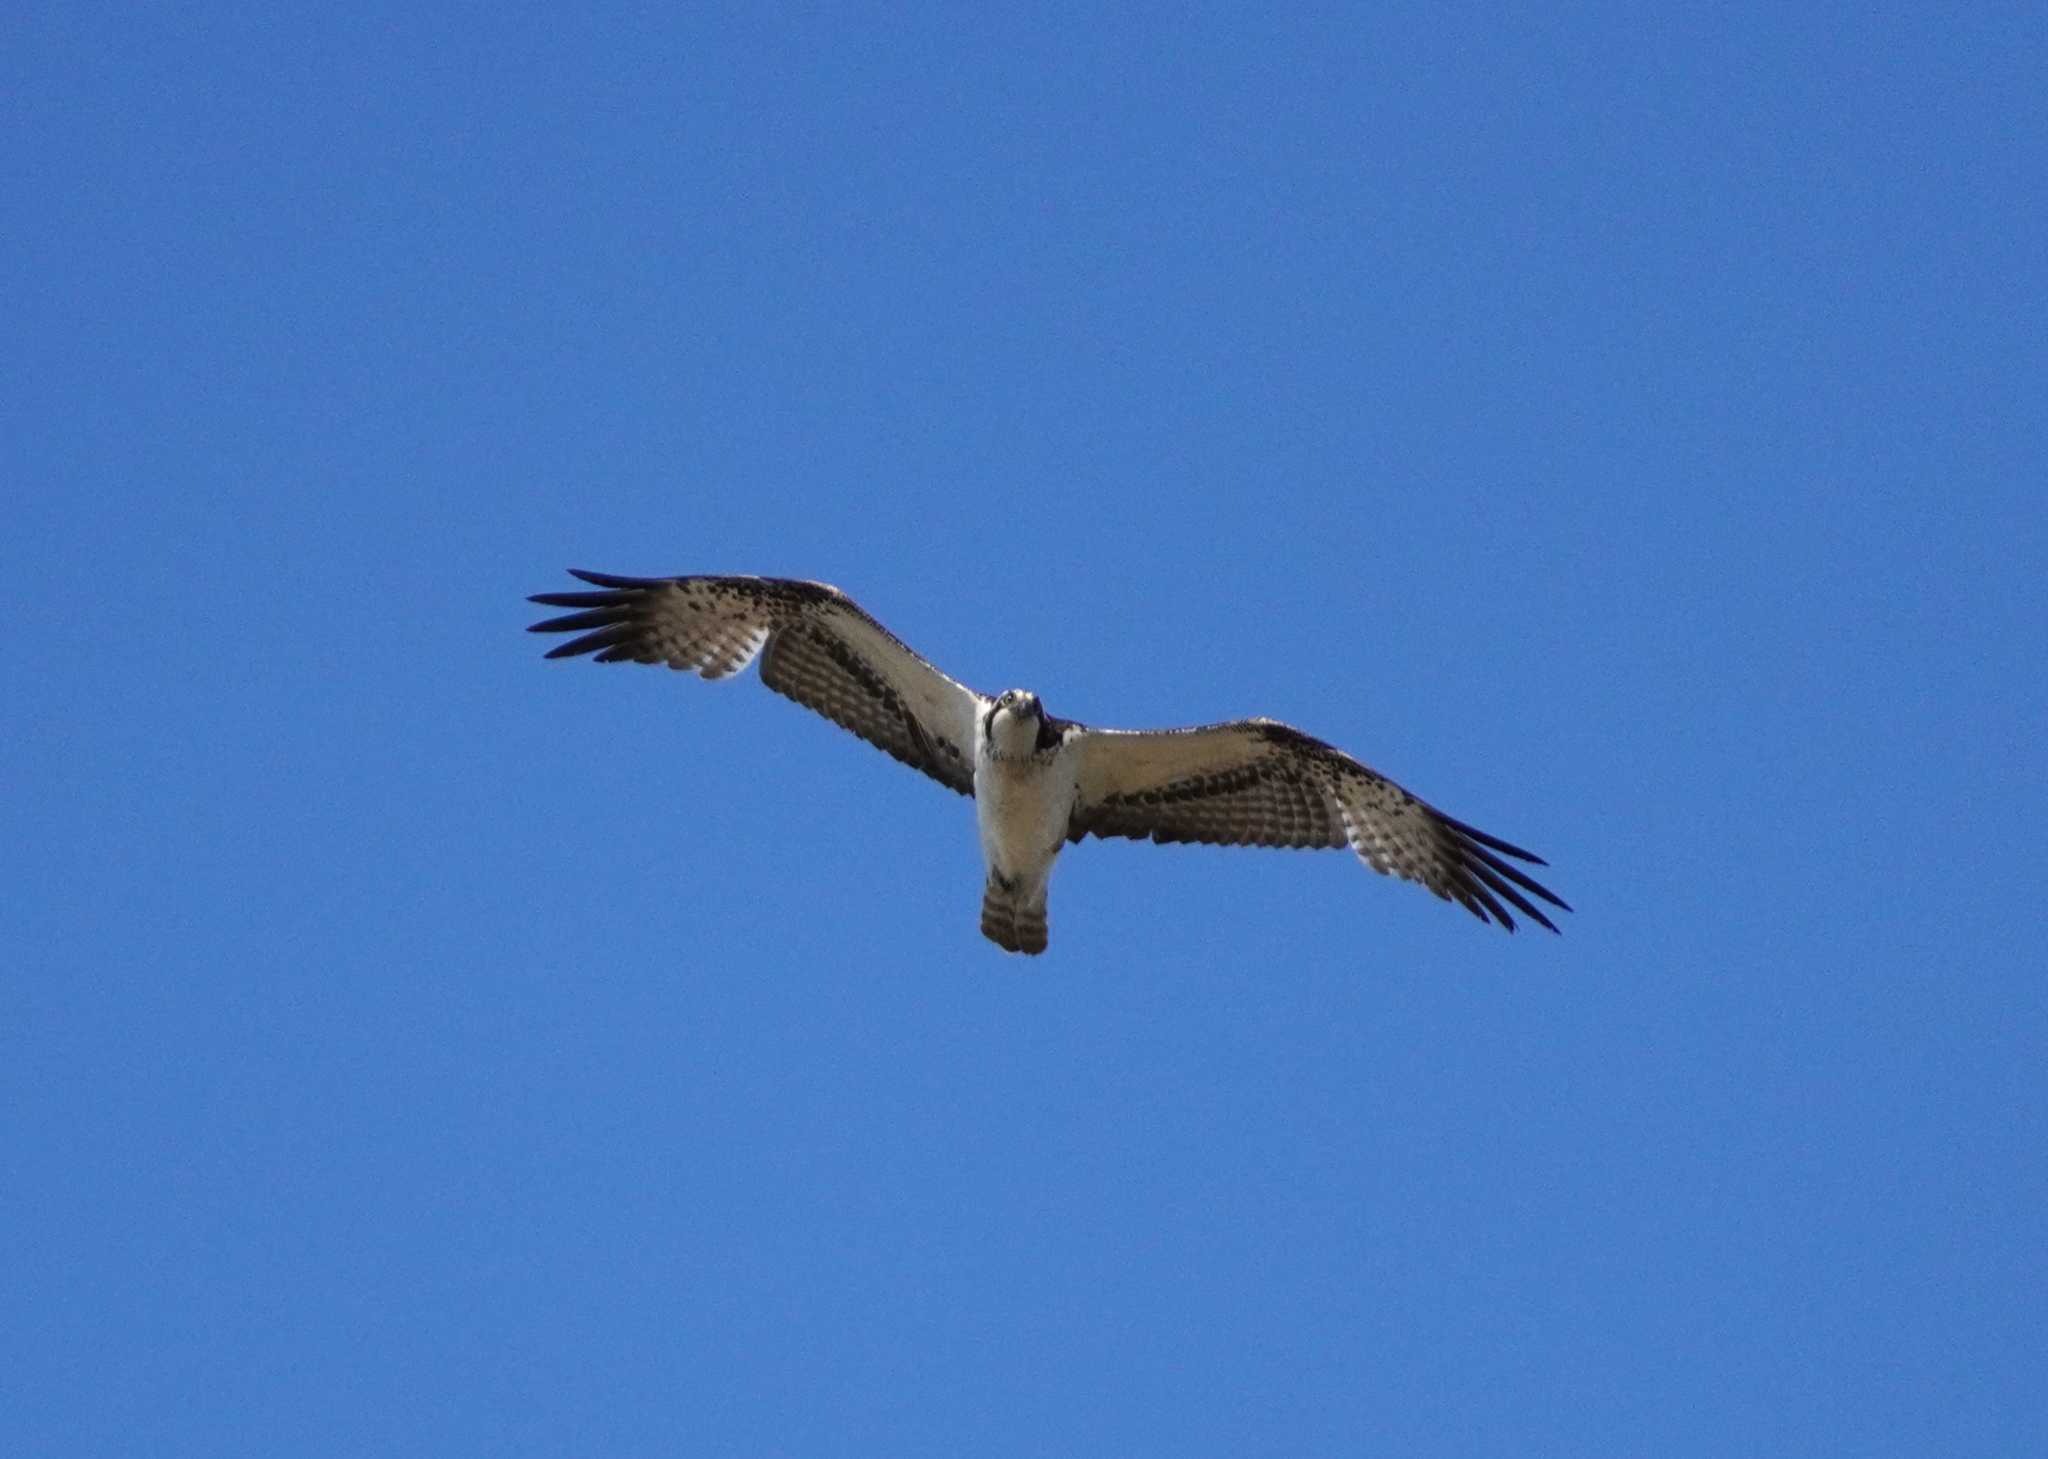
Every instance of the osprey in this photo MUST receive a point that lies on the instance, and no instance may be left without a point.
(1039, 782)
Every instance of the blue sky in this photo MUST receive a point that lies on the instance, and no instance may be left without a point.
(1625, 429)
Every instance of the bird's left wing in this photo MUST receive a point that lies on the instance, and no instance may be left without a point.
(1257, 782)
(816, 645)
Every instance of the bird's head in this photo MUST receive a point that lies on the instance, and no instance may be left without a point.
(1013, 723)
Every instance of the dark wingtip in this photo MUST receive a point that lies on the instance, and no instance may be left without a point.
(1507, 847)
(1488, 884)
(610, 613)
(613, 580)
(603, 617)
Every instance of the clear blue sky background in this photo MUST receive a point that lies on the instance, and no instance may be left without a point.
(1626, 429)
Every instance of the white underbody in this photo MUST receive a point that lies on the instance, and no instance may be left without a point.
(1022, 800)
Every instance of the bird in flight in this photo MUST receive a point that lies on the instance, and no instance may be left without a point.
(1037, 781)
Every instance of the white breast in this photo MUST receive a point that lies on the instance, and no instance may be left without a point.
(1022, 807)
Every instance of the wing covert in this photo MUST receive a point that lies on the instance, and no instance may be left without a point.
(1217, 783)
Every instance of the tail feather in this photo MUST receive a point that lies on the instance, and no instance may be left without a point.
(1011, 922)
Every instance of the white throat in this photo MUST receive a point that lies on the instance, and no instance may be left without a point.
(1012, 734)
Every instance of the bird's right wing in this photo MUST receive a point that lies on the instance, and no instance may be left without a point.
(816, 645)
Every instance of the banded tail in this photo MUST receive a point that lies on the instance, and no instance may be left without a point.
(1010, 920)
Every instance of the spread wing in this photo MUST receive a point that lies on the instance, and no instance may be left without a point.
(816, 645)
(1258, 782)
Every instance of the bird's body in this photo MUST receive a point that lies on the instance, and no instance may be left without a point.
(1024, 791)
(1040, 782)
